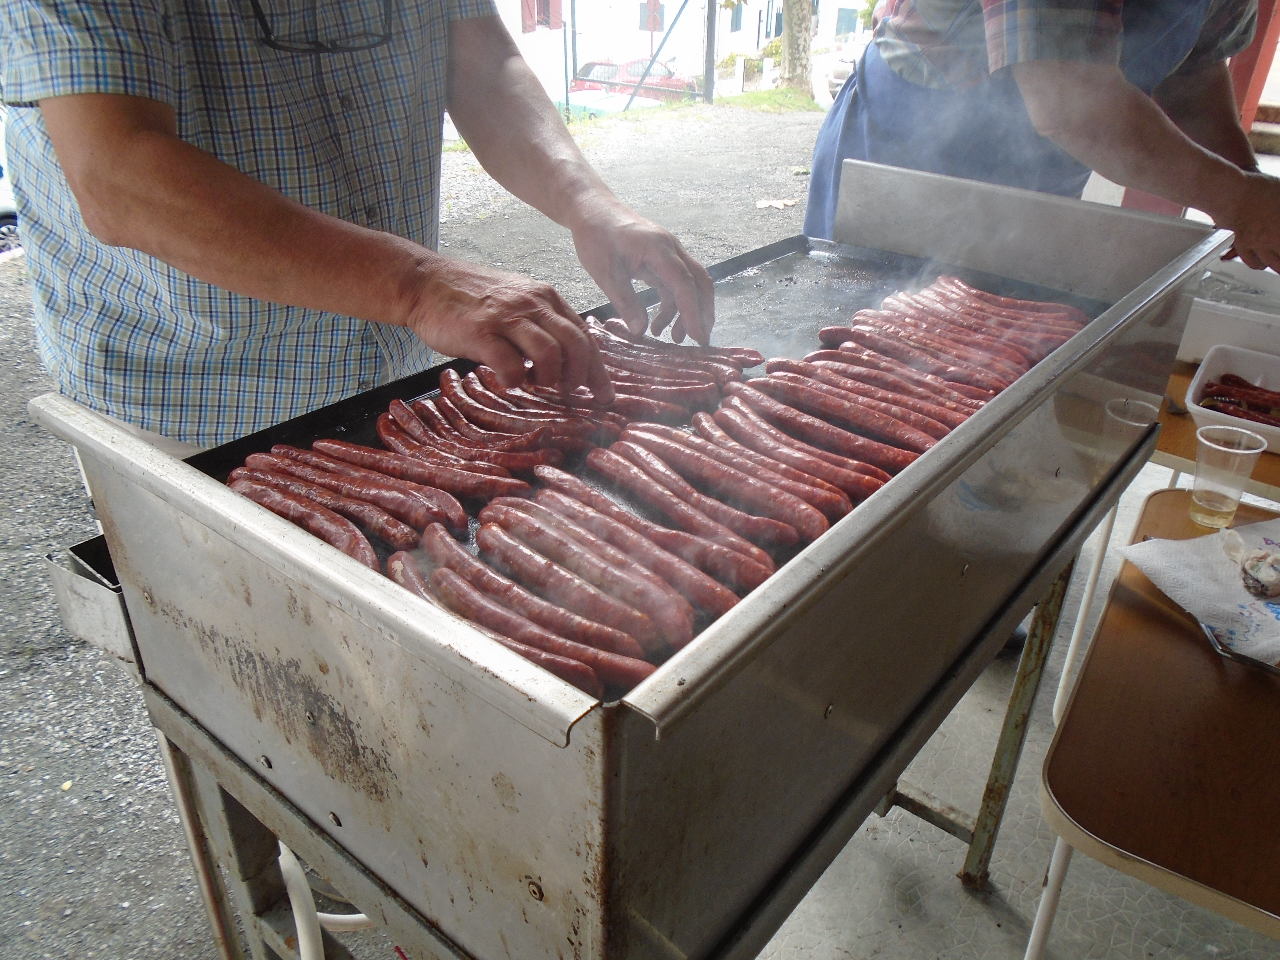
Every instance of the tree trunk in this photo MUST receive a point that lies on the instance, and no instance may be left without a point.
(796, 30)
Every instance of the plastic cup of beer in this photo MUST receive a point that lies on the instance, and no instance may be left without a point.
(1225, 457)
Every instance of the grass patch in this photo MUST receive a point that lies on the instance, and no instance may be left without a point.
(778, 100)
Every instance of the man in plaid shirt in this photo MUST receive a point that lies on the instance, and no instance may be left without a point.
(1037, 93)
(230, 206)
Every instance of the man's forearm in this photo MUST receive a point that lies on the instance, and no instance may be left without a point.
(1103, 121)
(511, 126)
(1203, 106)
(167, 198)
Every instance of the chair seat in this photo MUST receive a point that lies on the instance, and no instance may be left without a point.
(1166, 764)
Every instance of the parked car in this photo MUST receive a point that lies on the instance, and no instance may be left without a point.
(848, 50)
(8, 212)
(662, 83)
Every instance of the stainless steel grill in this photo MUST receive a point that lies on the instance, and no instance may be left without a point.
(521, 818)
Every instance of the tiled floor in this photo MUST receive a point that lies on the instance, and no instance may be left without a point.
(893, 894)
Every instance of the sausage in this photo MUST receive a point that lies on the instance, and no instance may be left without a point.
(742, 357)
(411, 503)
(749, 414)
(397, 441)
(822, 434)
(460, 482)
(402, 568)
(848, 364)
(1034, 326)
(705, 426)
(876, 342)
(848, 390)
(494, 463)
(670, 607)
(556, 584)
(1035, 343)
(624, 475)
(466, 433)
(713, 442)
(849, 414)
(678, 392)
(665, 372)
(856, 486)
(700, 589)
(635, 407)
(964, 365)
(319, 521)
(444, 551)
(579, 403)
(850, 379)
(484, 402)
(462, 598)
(371, 518)
(964, 356)
(933, 387)
(1065, 313)
(730, 484)
(931, 316)
(618, 577)
(762, 531)
(732, 568)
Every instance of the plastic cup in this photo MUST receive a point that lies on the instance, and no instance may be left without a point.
(1225, 457)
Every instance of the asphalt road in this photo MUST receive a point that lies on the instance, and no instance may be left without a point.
(92, 861)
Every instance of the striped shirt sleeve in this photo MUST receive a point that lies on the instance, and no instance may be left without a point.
(1080, 30)
(52, 48)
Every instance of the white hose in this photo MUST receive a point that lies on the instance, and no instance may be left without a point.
(304, 907)
(305, 919)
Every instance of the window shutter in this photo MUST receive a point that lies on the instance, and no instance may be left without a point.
(557, 16)
(528, 15)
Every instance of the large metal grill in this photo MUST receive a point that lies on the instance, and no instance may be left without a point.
(688, 818)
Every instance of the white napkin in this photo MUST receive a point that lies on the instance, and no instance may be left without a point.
(1198, 575)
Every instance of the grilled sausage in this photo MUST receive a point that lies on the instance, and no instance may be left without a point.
(444, 551)
(463, 483)
(462, 598)
(371, 518)
(730, 484)
(618, 577)
(822, 434)
(412, 503)
(732, 568)
(556, 584)
(317, 520)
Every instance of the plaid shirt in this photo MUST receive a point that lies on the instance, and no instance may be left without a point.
(355, 135)
(957, 43)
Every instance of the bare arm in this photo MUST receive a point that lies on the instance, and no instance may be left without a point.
(1202, 104)
(1102, 120)
(139, 185)
(515, 132)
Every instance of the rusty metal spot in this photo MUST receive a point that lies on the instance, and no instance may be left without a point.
(285, 696)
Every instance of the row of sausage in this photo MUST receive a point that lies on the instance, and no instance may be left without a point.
(595, 542)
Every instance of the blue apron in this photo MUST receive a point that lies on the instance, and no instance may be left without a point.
(981, 132)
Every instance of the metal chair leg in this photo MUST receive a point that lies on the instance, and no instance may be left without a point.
(1048, 900)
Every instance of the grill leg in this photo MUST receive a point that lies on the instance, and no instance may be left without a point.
(1013, 732)
(178, 771)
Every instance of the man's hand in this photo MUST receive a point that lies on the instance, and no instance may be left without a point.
(617, 246)
(503, 320)
(516, 133)
(1253, 213)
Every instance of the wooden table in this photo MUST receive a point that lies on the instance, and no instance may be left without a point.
(1166, 764)
(1176, 448)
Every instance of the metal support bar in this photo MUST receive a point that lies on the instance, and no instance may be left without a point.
(924, 805)
(1013, 732)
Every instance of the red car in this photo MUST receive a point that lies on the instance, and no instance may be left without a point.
(661, 83)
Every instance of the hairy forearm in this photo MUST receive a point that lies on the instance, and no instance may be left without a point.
(513, 129)
(1203, 106)
(1095, 115)
(139, 186)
